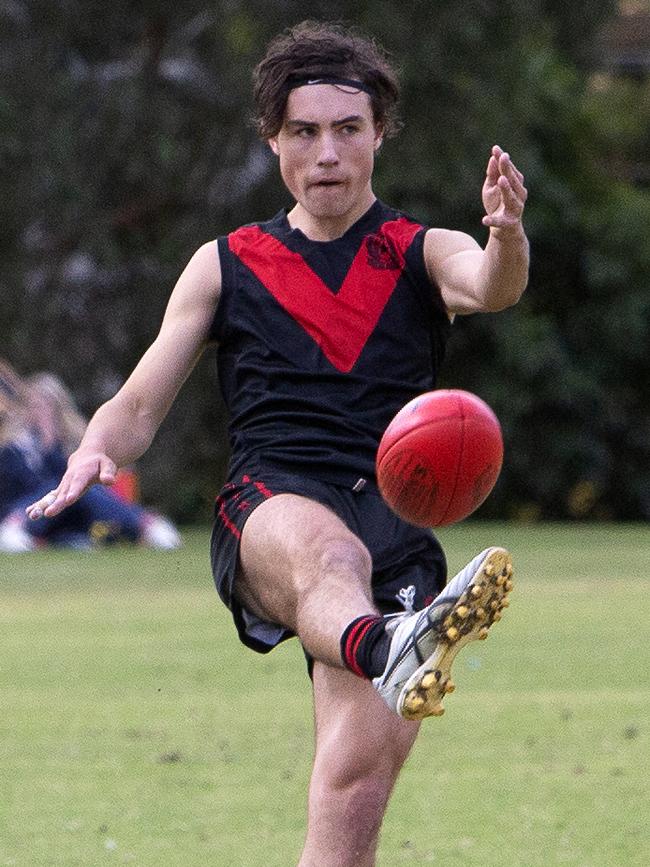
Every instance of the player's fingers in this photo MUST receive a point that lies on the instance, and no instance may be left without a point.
(73, 486)
(63, 499)
(494, 221)
(508, 169)
(500, 221)
(79, 479)
(517, 173)
(513, 202)
(37, 510)
(516, 178)
(518, 187)
(509, 213)
(107, 471)
(492, 171)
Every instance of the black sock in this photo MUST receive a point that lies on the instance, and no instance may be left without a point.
(364, 646)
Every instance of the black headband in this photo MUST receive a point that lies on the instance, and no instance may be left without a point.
(354, 83)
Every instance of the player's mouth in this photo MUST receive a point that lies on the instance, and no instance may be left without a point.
(325, 184)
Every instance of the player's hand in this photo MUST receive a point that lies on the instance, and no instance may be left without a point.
(504, 193)
(85, 469)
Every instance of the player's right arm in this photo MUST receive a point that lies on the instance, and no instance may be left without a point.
(123, 428)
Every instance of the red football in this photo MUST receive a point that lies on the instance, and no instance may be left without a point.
(440, 457)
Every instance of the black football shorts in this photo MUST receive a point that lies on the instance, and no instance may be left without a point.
(409, 566)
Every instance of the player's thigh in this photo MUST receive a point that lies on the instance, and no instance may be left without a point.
(290, 535)
(357, 736)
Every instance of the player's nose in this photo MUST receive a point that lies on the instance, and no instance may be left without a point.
(327, 153)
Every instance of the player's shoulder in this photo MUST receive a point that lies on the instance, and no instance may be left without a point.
(205, 260)
(200, 281)
(440, 243)
(272, 226)
(448, 239)
(389, 214)
(396, 229)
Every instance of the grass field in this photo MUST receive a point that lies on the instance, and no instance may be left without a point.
(134, 729)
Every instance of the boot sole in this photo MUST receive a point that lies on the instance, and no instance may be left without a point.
(470, 619)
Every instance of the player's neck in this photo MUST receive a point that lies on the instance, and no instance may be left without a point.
(317, 227)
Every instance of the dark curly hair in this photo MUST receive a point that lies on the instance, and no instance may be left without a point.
(315, 49)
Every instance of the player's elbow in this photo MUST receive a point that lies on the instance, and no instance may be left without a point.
(503, 302)
(506, 296)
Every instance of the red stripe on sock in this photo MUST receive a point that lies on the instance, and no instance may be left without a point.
(350, 642)
(354, 639)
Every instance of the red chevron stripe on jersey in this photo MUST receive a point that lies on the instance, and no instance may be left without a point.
(340, 323)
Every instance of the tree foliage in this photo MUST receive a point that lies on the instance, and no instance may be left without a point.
(126, 144)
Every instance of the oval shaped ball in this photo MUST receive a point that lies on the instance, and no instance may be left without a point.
(440, 457)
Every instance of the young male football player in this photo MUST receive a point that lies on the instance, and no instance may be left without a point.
(328, 318)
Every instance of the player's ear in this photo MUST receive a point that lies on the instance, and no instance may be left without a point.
(273, 144)
(379, 136)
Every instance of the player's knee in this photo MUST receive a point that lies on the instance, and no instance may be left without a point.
(344, 556)
(371, 770)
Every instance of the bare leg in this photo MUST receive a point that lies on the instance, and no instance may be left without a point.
(360, 748)
(301, 567)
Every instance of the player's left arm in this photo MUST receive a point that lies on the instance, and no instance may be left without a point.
(474, 279)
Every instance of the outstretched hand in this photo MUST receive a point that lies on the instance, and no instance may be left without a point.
(504, 193)
(84, 471)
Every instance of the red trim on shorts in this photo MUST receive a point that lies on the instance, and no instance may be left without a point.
(235, 499)
(261, 487)
(226, 520)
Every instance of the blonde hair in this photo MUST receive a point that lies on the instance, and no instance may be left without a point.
(39, 404)
(12, 419)
(66, 423)
(12, 404)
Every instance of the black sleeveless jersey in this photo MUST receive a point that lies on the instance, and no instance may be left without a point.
(320, 343)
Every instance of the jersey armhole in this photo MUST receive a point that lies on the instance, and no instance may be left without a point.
(423, 277)
(224, 255)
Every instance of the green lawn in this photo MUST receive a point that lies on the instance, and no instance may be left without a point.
(134, 729)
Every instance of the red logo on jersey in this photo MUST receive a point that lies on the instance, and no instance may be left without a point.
(340, 323)
(382, 254)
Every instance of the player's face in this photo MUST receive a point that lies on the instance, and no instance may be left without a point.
(326, 148)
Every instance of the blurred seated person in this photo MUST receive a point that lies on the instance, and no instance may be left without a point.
(39, 427)
(59, 422)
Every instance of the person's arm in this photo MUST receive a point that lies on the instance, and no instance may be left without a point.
(123, 428)
(472, 279)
